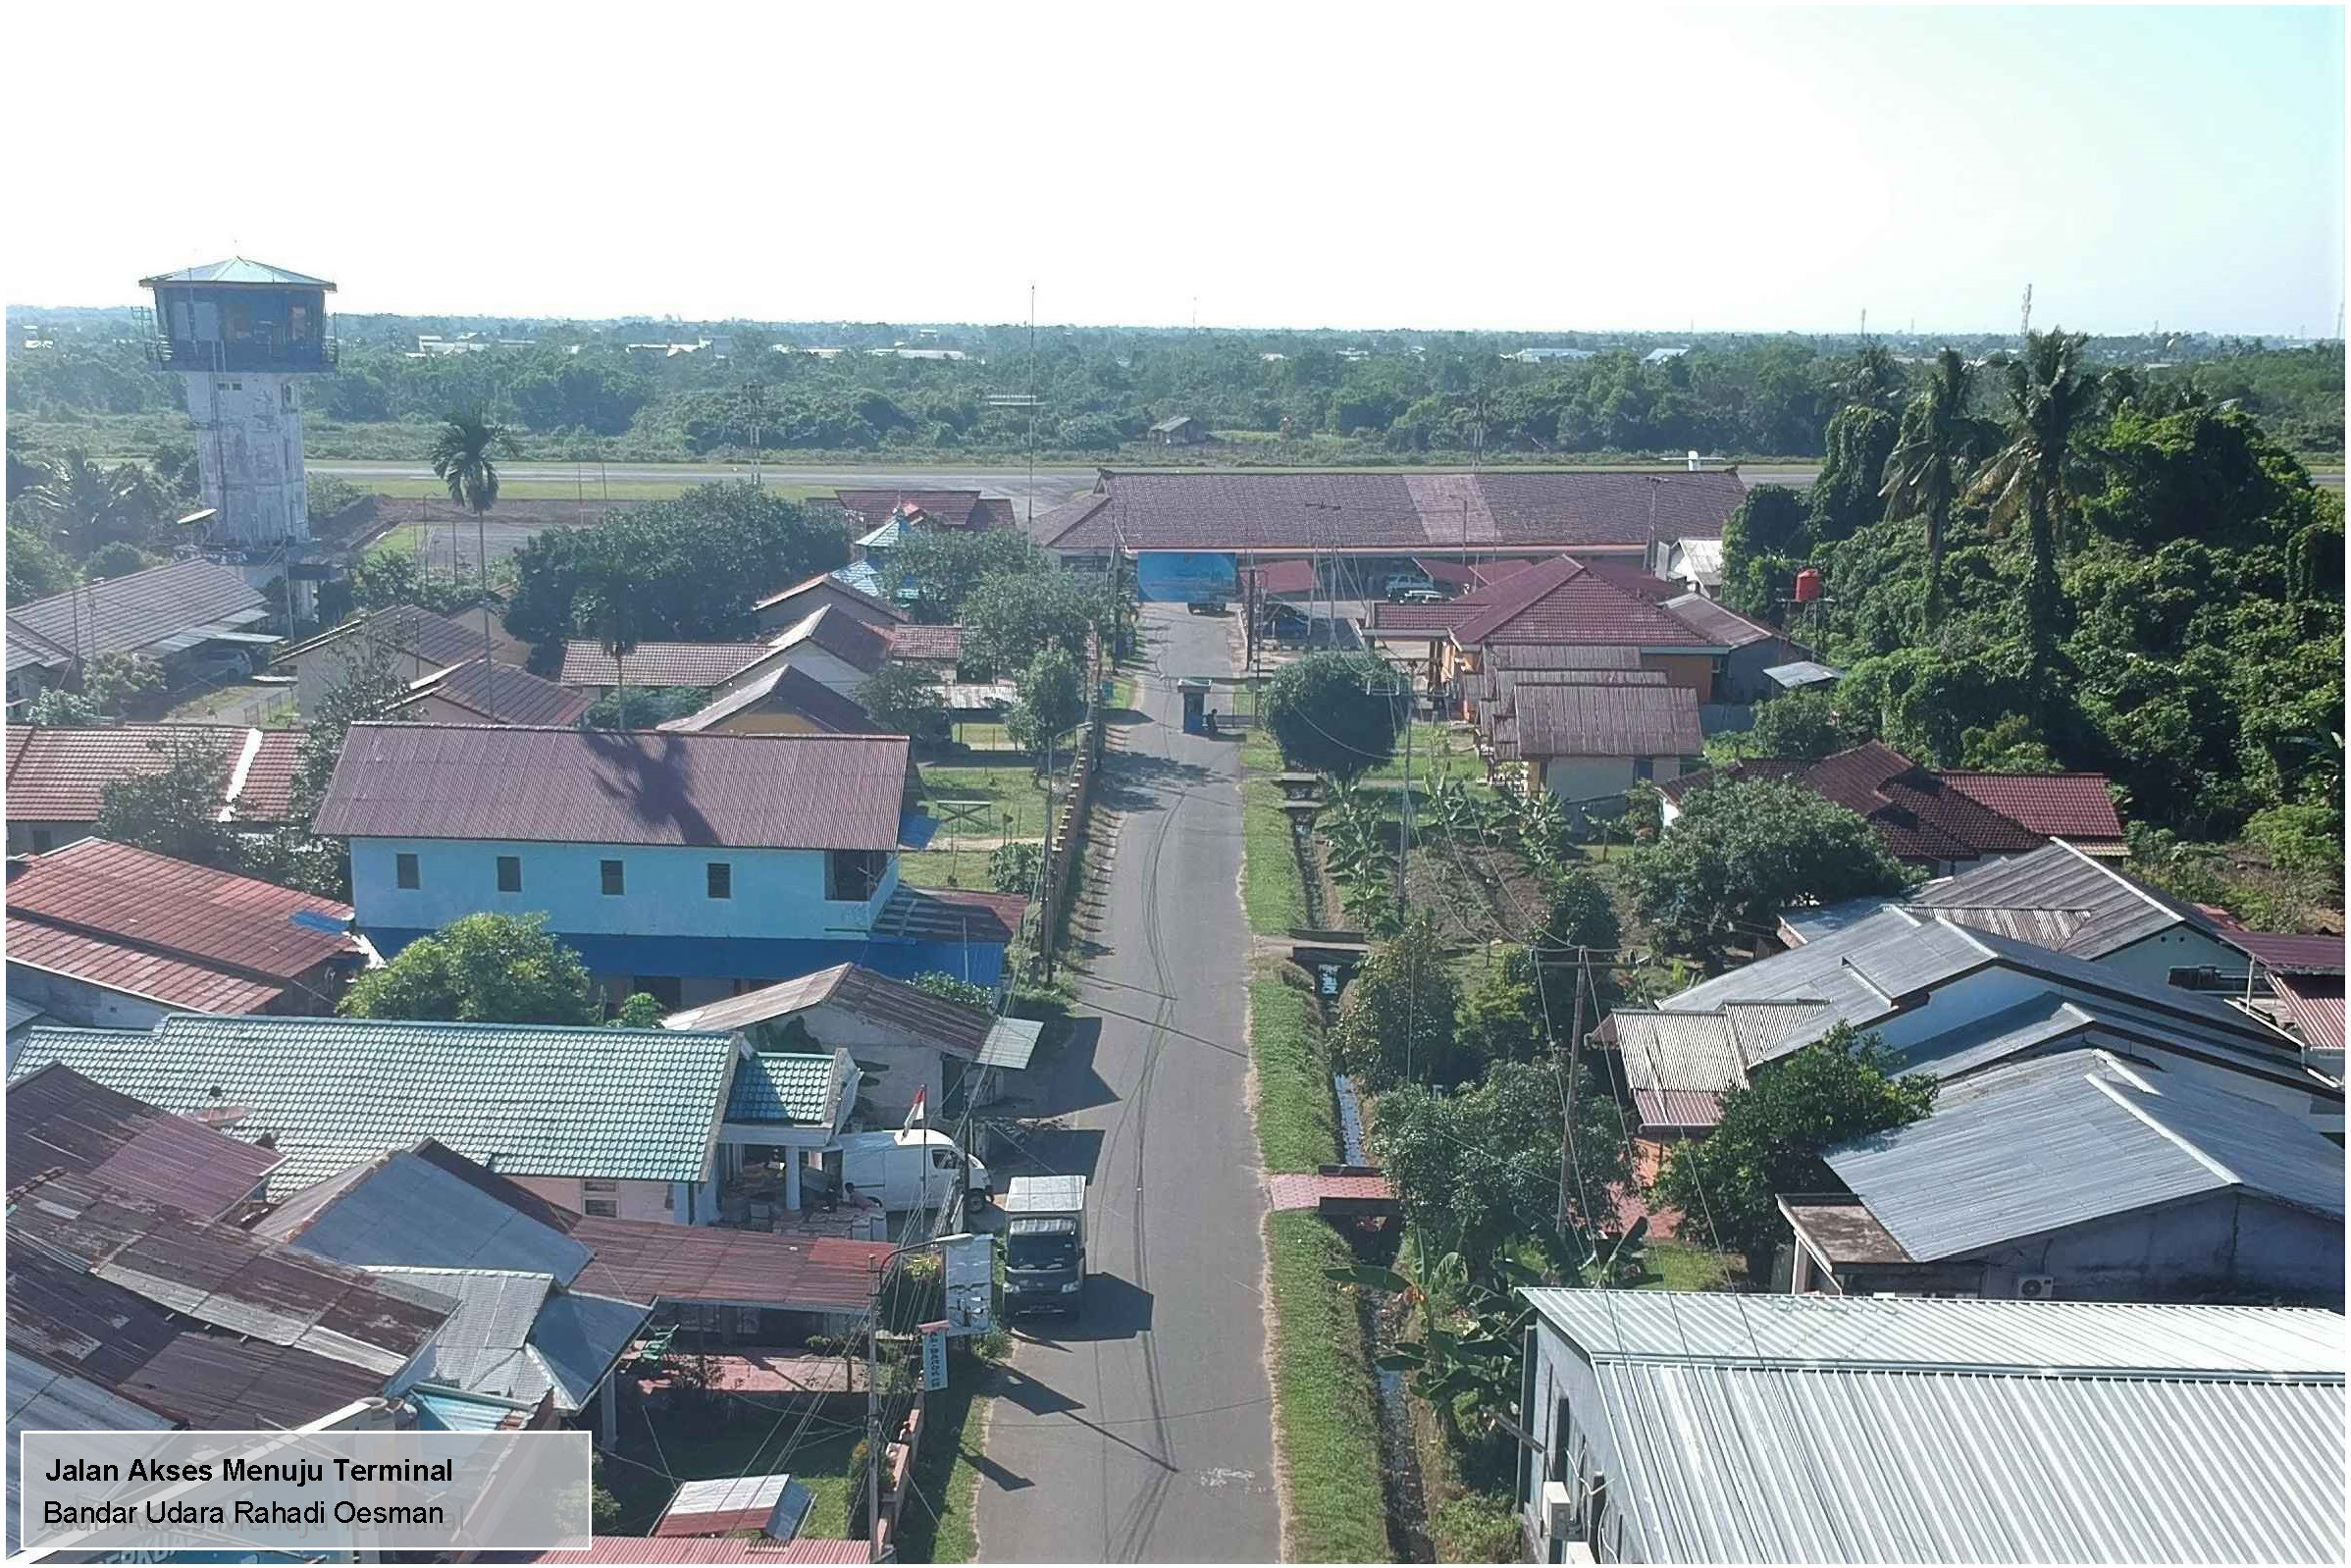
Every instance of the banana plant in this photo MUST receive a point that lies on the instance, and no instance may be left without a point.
(1465, 1358)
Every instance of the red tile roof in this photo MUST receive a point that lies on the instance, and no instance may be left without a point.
(184, 934)
(935, 643)
(1921, 817)
(585, 663)
(2069, 806)
(60, 776)
(1285, 576)
(570, 786)
(500, 694)
(1389, 513)
(651, 1260)
(59, 1121)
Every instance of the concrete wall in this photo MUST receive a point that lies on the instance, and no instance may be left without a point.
(250, 452)
(2151, 960)
(777, 893)
(670, 1202)
(70, 1001)
(1694, 670)
(1586, 778)
(2224, 1241)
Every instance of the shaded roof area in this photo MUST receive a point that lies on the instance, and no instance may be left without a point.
(851, 640)
(1855, 1429)
(500, 694)
(238, 271)
(831, 587)
(790, 1088)
(2068, 806)
(783, 690)
(516, 1336)
(521, 1099)
(2030, 1147)
(62, 1123)
(647, 664)
(888, 1003)
(1264, 510)
(154, 612)
(431, 639)
(60, 776)
(617, 787)
(1919, 817)
(428, 1207)
(648, 1260)
(187, 935)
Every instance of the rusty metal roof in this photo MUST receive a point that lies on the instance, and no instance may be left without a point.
(1616, 720)
(722, 791)
(500, 694)
(61, 1123)
(851, 988)
(648, 1260)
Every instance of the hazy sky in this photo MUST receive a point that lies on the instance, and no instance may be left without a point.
(1268, 164)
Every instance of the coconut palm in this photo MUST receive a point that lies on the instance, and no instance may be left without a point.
(464, 458)
(89, 505)
(1874, 378)
(1925, 472)
(2049, 396)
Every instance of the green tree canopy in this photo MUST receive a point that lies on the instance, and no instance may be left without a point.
(1334, 712)
(1766, 539)
(1806, 725)
(482, 969)
(1397, 1022)
(1051, 700)
(1742, 853)
(1772, 1133)
(176, 809)
(1845, 495)
(905, 699)
(1008, 620)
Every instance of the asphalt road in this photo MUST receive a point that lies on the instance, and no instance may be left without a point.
(1143, 1431)
(1051, 488)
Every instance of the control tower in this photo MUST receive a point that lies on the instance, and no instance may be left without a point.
(241, 335)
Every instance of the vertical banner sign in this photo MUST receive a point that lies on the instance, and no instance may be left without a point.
(934, 1356)
(969, 1273)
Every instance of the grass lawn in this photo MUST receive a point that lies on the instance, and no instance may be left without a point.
(564, 487)
(699, 1445)
(1270, 890)
(1013, 792)
(937, 1523)
(1437, 749)
(1327, 1418)
(1297, 1125)
(955, 868)
(1685, 1266)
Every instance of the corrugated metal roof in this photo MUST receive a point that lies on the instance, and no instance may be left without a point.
(2058, 897)
(403, 1210)
(1011, 1043)
(2069, 806)
(483, 1348)
(2037, 1146)
(237, 925)
(1615, 722)
(726, 1503)
(1561, 600)
(839, 587)
(647, 1260)
(1677, 1051)
(1811, 1429)
(694, 1549)
(617, 787)
(782, 689)
(1801, 673)
(960, 915)
(842, 634)
(500, 694)
(1264, 510)
(580, 1337)
(59, 1121)
(42, 1398)
(523, 1099)
(433, 641)
(797, 1089)
(1717, 622)
(857, 990)
(60, 776)
(440, 1410)
(2316, 1005)
(135, 972)
(649, 664)
(2290, 953)
(141, 610)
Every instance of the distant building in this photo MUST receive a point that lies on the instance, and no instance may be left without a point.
(1684, 1427)
(478, 693)
(175, 615)
(417, 643)
(1662, 356)
(1180, 431)
(57, 778)
(1537, 356)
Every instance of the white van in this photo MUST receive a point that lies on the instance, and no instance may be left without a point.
(910, 1167)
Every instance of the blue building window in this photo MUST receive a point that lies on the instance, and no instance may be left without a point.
(403, 871)
(509, 873)
(721, 880)
(616, 879)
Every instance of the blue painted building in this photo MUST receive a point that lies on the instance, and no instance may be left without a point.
(691, 867)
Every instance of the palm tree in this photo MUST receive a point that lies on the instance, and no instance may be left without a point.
(1925, 471)
(464, 450)
(2047, 395)
(609, 610)
(1874, 378)
(89, 504)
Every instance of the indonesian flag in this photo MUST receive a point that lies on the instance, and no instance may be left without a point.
(919, 1111)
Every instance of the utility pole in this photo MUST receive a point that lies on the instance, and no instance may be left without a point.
(874, 1421)
(2024, 330)
(1567, 1131)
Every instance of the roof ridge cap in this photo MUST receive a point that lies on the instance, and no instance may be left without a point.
(2178, 1139)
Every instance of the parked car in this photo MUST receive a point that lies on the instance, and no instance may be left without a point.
(1207, 604)
(206, 669)
(1403, 583)
(1423, 596)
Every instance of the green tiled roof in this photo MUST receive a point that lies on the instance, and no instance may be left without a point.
(523, 1099)
(779, 1086)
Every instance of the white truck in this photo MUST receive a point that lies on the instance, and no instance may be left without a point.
(911, 1167)
(1044, 1244)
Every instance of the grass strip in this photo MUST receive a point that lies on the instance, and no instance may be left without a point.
(1270, 889)
(1326, 1420)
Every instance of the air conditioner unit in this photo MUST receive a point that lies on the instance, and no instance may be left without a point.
(2036, 1288)
(1559, 1509)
